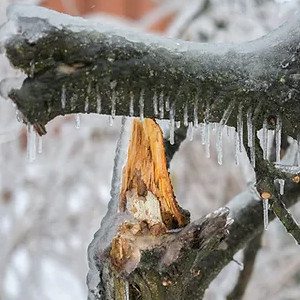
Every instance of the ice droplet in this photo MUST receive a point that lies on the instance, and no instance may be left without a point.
(265, 139)
(131, 105)
(219, 143)
(161, 105)
(190, 131)
(32, 67)
(185, 116)
(196, 114)
(240, 128)
(63, 97)
(281, 186)
(278, 138)
(141, 103)
(250, 128)
(172, 124)
(31, 143)
(77, 121)
(266, 212)
(40, 144)
(86, 104)
(155, 104)
(98, 108)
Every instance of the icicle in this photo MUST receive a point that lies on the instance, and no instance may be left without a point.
(172, 124)
(141, 103)
(19, 116)
(98, 107)
(202, 132)
(236, 142)
(167, 104)
(73, 101)
(298, 144)
(278, 138)
(281, 186)
(110, 120)
(126, 290)
(86, 104)
(250, 128)
(185, 116)
(32, 67)
(77, 121)
(40, 144)
(252, 154)
(265, 139)
(223, 122)
(228, 130)
(177, 124)
(240, 128)
(190, 131)
(63, 97)
(131, 105)
(266, 212)
(113, 105)
(207, 140)
(161, 105)
(196, 114)
(155, 104)
(31, 142)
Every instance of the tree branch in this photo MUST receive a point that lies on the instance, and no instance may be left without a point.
(86, 63)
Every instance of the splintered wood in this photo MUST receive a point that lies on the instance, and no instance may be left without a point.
(146, 187)
(147, 195)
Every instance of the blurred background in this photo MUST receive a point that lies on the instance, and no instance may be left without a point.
(50, 208)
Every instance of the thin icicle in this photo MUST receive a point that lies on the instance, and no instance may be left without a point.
(40, 144)
(31, 142)
(63, 97)
(185, 116)
(113, 104)
(177, 124)
(298, 144)
(98, 108)
(266, 212)
(32, 68)
(236, 142)
(265, 139)
(131, 105)
(172, 124)
(167, 104)
(250, 128)
(110, 120)
(77, 121)
(202, 132)
(252, 154)
(141, 103)
(240, 128)
(190, 131)
(126, 290)
(196, 114)
(86, 104)
(155, 104)
(207, 140)
(223, 122)
(161, 105)
(281, 186)
(228, 130)
(278, 138)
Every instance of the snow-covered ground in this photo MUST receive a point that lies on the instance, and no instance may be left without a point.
(50, 208)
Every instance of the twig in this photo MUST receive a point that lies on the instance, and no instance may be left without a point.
(286, 219)
(250, 254)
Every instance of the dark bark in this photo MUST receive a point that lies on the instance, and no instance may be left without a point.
(118, 65)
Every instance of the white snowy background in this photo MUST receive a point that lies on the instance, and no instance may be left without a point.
(50, 208)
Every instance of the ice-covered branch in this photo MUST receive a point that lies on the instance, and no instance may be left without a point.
(75, 66)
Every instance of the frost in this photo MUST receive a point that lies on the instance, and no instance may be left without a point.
(141, 103)
(77, 121)
(278, 138)
(31, 143)
(113, 217)
(265, 203)
(265, 139)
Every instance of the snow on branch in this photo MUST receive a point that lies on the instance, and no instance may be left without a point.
(75, 66)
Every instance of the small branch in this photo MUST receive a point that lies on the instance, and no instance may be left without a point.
(250, 254)
(286, 219)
